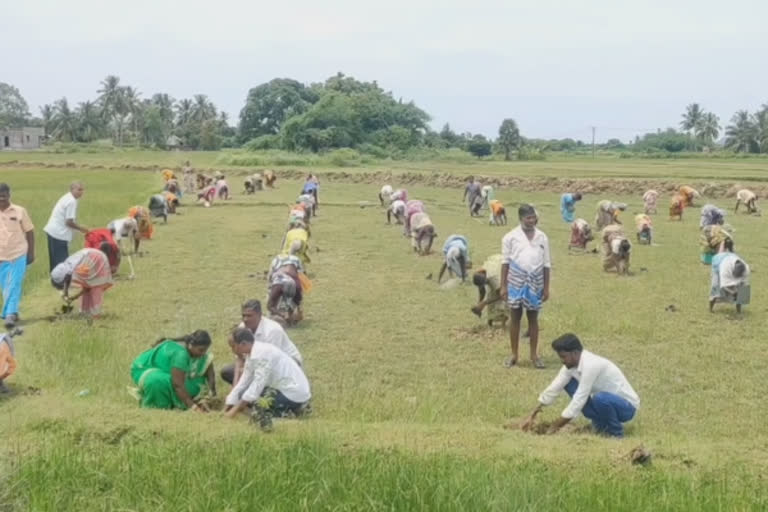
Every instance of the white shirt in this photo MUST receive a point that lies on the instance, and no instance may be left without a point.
(595, 374)
(65, 209)
(269, 367)
(273, 333)
(529, 255)
(745, 195)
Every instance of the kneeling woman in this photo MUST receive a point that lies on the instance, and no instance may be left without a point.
(89, 269)
(174, 372)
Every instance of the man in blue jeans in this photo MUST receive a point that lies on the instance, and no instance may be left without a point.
(597, 387)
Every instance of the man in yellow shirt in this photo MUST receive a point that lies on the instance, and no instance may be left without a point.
(17, 250)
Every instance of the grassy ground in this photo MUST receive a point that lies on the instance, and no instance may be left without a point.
(555, 165)
(409, 389)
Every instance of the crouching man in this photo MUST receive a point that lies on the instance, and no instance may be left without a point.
(597, 387)
(271, 382)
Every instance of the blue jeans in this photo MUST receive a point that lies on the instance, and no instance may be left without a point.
(606, 410)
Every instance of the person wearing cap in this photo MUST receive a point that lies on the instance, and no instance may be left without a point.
(597, 387)
(17, 251)
(525, 272)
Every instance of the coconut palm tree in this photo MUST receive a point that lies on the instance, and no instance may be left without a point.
(46, 113)
(164, 104)
(64, 121)
(709, 128)
(741, 134)
(761, 128)
(89, 122)
(692, 119)
(183, 112)
(133, 107)
(203, 109)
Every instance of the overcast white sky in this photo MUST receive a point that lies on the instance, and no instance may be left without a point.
(557, 67)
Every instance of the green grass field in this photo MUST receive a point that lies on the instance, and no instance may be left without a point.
(409, 391)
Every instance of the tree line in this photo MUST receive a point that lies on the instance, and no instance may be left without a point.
(340, 112)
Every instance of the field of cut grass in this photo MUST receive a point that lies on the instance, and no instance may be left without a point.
(696, 169)
(409, 390)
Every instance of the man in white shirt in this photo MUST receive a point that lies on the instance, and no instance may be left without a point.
(62, 223)
(268, 373)
(264, 330)
(525, 272)
(597, 387)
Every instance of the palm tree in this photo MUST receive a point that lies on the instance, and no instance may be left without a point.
(183, 112)
(64, 120)
(741, 134)
(164, 104)
(761, 127)
(203, 109)
(89, 121)
(692, 119)
(709, 128)
(46, 113)
(133, 107)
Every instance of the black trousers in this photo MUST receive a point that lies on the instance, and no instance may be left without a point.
(58, 251)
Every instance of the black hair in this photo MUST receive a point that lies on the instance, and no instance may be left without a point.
(241, 335)
(624, 246)
(199, 338)
(5, 188)
(577, 196)
(107, 249)
(252, 305)
(479, 279)
(525, 210)
(728, 244)
(567, 343)
(739, 268)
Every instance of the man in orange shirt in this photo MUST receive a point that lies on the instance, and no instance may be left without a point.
(17, 250)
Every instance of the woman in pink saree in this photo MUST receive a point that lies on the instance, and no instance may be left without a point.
(89, 270)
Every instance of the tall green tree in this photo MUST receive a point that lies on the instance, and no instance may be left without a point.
(709, 128)
(479, 146)
(113, 105)
(270, 104)
(761, 129)
(741, 134)
(509, 137)
(64, 122)
(46, 115)
(692, 120)
(14, 110)
(89, 122)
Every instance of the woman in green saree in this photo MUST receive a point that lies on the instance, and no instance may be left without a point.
(174, 372)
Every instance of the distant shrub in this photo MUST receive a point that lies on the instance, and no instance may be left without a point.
(344, 157)
(262, 143)
(530, 153)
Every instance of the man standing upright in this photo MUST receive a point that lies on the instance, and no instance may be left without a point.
(62, 223)
(525, 272)
(17, 250)
(471, 192)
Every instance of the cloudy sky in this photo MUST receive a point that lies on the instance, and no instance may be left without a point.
(557, 67)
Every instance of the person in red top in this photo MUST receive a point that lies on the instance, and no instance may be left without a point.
(102, 239)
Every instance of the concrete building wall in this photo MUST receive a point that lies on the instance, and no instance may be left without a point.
(21, 138)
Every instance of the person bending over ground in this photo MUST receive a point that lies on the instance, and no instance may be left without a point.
(597, 387)
(608, 213)
(272, 382)
(103, 240)
(412, 207)
(748, 198)
(616, 250)
(174, 373)
(456, 254)
(711, 215)
(143, 221)
(396, 209)
(158, 207)
(568, 206)
(581, 235)
(384, 194)
(525, 272)
(488, 282)
(294, 236)
(286, 280)
(222, 189)
(498, 215)
(89, 270)
(422, 233)
(688, 194)
(676, 207)
(7, 361)
(730, 279)
(644, 228)
(269, 178)
(649, 201)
